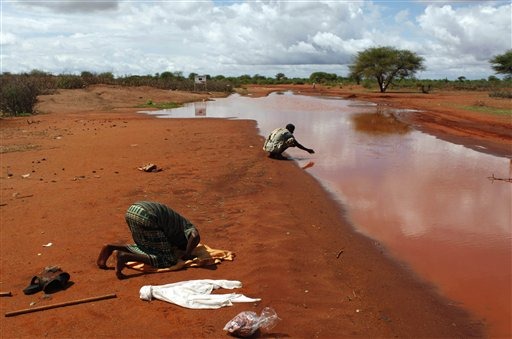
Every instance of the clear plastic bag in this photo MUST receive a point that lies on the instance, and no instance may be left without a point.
(247, 322)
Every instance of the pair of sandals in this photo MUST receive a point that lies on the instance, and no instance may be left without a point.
(51, 279)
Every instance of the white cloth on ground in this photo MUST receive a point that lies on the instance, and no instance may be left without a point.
(196, 293)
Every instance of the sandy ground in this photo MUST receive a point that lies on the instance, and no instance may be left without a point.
(69, 173)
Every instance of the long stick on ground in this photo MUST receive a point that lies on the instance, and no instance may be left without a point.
(502, 179)
(67, 303)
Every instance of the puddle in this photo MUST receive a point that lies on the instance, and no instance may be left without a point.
(429, 202)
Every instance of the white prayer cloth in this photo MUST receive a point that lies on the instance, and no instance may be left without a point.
(196, 293)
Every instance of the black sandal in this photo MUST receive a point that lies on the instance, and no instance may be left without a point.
(34, 287)
(51, 279)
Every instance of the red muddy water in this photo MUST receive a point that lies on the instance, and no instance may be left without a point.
(429, 203)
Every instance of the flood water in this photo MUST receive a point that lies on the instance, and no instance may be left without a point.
(430, 203)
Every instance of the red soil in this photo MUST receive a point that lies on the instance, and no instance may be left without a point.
(293, 247)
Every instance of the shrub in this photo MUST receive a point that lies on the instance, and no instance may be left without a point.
(18, 95)
(70, 82)
(501, 94)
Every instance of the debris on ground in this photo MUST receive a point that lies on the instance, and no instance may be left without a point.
(149, 168)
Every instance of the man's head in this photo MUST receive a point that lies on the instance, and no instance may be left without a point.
(290, 127)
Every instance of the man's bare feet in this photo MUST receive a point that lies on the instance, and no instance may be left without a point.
(105, 253)
(120, 262)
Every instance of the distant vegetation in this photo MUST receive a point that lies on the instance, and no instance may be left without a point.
(19, 92)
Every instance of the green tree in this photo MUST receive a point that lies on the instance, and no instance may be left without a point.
(166, 75)
(322, 77)
(179, 75)
(258, 78)
(385, 64)
(502, 63)
(39, 73)
(106, 77)
(245, 79)
(86, 74)
(280, 76)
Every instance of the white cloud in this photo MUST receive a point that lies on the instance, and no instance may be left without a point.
(7, 38)
(480, 30)
(402, 16)
(253, 37)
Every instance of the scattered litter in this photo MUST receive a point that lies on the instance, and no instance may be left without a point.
(48, 244)
(24, 176)
(6, 294)
(247, 323)
(149, 168)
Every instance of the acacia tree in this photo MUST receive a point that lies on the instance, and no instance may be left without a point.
(502, 63)
(322, 77)
(385, 64)
(280, 76)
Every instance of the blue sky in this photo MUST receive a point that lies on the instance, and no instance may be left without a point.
(232, 38)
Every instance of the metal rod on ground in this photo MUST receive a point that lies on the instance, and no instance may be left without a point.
(67, 303)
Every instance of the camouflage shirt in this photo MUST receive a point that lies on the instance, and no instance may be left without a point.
(278, 141)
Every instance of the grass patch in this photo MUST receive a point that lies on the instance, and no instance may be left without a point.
(7, 115)
(488, 110)
(17, 148)
(160, 105)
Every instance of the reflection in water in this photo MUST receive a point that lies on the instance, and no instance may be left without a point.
(428, 201)
(200, 108)
(380, 122)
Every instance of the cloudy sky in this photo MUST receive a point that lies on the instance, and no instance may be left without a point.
(232, 38)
